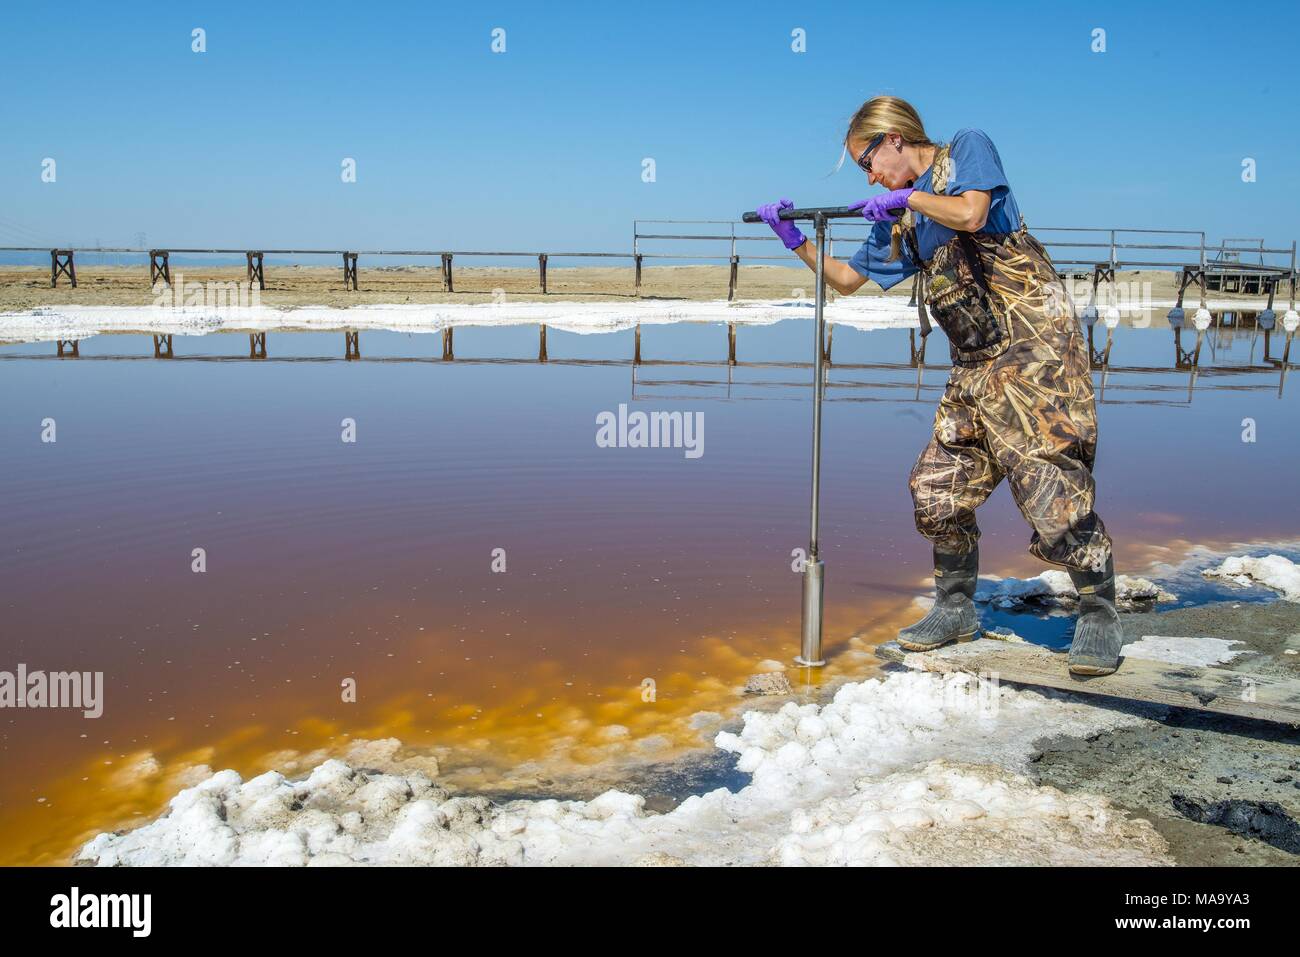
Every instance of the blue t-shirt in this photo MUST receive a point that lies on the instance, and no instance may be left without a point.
(974, 165)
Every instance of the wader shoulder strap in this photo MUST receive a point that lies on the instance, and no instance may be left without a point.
(973, 257)
(909, 234)
(940, 173)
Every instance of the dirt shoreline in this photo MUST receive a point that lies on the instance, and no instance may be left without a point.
(28, 287)
(1195, 760)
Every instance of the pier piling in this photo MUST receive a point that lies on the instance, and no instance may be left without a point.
(61, 264)
(255, 273)
(159, 267)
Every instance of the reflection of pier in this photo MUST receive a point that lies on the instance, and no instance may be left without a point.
(901, 381)
(843, 383)
(1219, 332)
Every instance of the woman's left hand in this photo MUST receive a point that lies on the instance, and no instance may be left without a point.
(882, 208)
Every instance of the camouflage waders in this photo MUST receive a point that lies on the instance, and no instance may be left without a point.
(1018, 404)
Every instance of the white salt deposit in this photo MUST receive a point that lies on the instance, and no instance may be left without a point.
(1274, 571)
(1010, 592)
(1053, 588)
(48, 323)
(1199, 651)
(914, 768)
(958, 814)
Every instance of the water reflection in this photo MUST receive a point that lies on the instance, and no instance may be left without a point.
(1226, 336)
(373, 560)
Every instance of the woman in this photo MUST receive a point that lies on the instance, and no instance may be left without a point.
(1019, 401)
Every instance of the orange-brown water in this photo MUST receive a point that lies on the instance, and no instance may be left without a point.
(373, 560)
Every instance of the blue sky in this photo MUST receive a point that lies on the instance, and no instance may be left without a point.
(541, 147)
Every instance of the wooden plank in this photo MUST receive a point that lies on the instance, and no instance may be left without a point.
(1217, 690)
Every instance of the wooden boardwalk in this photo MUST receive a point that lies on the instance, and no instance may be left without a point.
(1218, 690)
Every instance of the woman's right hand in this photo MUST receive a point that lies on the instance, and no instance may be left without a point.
(784, 228)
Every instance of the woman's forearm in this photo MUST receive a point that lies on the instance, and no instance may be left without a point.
(840, 276)
(966, 212)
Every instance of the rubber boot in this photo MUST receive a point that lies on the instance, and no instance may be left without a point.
(953, 616)
(1098, 635)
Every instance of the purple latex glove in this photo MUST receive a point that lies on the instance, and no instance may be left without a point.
(784, 228)
(885, 206)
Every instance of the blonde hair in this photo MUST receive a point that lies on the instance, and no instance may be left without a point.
(887, 114)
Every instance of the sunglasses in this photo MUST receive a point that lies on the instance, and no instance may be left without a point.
(865, 163)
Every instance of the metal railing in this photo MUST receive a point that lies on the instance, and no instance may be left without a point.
(1232, 254)
(1113, 244)
(1073, 249)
